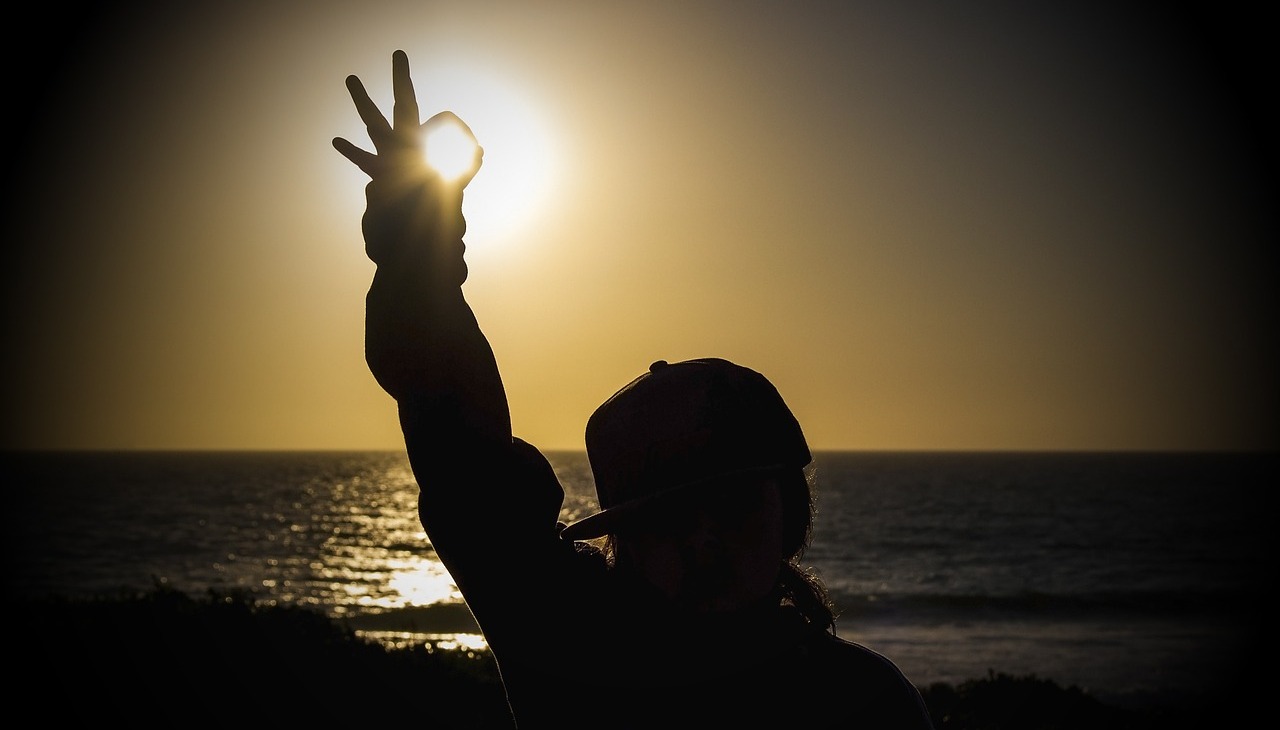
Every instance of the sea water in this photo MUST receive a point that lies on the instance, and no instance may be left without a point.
(1119, 573)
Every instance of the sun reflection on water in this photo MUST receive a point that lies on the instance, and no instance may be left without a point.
(442, 642)
(380, 582)
(417, 581)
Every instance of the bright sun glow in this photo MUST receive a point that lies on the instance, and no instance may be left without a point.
(449, 151)
(519, 169)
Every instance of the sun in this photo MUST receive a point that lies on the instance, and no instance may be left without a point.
(520, 167)
(449, 150)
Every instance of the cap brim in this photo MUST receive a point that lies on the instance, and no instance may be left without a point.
(597, 525)
(606, 521)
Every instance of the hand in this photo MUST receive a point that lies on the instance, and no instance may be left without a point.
(422, 342)
(411, 210)
(400, 145)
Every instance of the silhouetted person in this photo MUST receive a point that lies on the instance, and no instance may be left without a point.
(691, 610)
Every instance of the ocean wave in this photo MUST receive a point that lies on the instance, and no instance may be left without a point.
(1038, 605)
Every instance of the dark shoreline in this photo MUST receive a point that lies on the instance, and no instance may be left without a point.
(226, 657)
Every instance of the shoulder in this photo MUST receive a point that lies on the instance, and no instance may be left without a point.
(880, 687)
(853, 655)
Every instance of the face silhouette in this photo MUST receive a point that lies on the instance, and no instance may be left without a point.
(712, 548)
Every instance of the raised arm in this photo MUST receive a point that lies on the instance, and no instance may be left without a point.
(424, 347)
(422, 342)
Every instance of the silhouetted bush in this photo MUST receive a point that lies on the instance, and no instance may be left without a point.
(227, 659)
(164, 658)
(1003, 702)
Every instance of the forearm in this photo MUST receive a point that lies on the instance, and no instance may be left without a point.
(422, 341)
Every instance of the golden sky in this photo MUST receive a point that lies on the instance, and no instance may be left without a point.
(933, 225)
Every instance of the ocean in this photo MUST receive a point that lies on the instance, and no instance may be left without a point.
(1127, 575)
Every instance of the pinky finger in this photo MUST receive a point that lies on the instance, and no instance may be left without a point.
(366, 161)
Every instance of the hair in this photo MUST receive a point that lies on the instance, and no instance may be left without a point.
(797, 587)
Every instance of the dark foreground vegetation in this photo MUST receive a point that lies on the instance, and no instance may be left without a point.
(163, 658)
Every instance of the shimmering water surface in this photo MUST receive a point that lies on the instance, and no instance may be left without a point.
(1114, 572)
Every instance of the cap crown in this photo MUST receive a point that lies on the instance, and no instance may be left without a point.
(687, 422)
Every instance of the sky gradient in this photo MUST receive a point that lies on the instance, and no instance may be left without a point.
(932, 225)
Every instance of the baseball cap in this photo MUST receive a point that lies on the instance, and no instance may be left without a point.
(681, 425)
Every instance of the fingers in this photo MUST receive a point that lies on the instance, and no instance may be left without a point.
(366, 161)
(379, 129)
(398, 142)
(405, 111)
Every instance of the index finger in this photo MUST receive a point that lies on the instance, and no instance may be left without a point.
(372, 117)
(405, 111)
